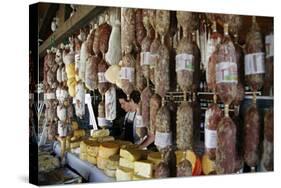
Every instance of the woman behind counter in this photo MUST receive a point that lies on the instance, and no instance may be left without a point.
(129, 130)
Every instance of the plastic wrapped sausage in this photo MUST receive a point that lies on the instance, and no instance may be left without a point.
(128, 24)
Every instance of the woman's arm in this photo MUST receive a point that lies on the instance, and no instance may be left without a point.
(148, 140)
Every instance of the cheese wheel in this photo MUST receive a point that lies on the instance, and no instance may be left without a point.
(113, 162)
(91, 159)
(93, 148)
(75, 144)
(74, 125)
(103, 139)
(102, 162)
(126, 163)
(79, 133)
(133, 154)
(143, 168)
(83, 156)
(108, 149)
(124, 174)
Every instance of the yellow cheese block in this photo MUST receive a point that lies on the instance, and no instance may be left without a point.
(113, 162)
(75, 144)
(126, 163)
(154, 157)
(208, 166)
(108, 149)
(133, 154)
(93, 148)
(92, 159)
(83, 156)
(191, 157)
(137, 177)
(102, 162)
(143, 168)
(100, 133)
(124, 174)
(83, 147)
(110, 173)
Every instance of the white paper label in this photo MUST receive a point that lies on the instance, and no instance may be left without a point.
(269, 46)
(210, 138)
(254, 63)
(163, 140)
(102, 122)
(101, 77)
(226, 72)
(184, 62)
(139, 121)
(145, 58)
(127, 73)
(77, 58)
(153, 60)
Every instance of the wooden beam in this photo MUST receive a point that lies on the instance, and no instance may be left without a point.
(83, 16)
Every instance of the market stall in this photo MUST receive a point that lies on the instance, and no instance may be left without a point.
(135, 94)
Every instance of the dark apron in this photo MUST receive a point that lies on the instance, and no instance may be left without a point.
(128, 130)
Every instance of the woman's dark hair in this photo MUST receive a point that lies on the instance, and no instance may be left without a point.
(135, 96)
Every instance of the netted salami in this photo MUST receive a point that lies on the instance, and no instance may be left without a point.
(184, 168)
(140, 29)
(145, 108)
(96, 48)
(154, 104)
(145, 52)
(91, 75)
(185, 126)
(103, 84)
(254, 57)
(128, 23)
(269, 60)
(104, 34)
(226, 69)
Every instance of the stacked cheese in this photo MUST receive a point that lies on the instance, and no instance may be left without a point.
(92, 151)
(106, 150)
(131, 165)
(77, 137)
(101, 135)
(111, 165)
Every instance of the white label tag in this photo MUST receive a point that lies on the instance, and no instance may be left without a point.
(226, 72)
(153, 60)
(127, 73)
(101, 77)
(77, 58)
(145, 58)
(139, 121)
(102, 122)
(184, 62)
(269, 45)
(254, 63)
(210, 138)
(163, 140)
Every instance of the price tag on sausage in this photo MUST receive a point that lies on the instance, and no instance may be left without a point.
(145, 58)
(226, 72)
(101, 77)
(127, 73)
(184, 62)
(210, 138)
(163, 140)
(254, 63)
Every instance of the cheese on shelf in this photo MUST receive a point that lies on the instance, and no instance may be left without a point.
(92, 159)
(79, 133)
(154, 157)
(75, 144)
(133, 154)
(110, 173)
(102, 162)
(113, 162)
(100, 133)
(208, 166)
(108, 149)
(103, 139)
(93, 148)
(191, 157)
(124, 174)
(137, 177)
(74, 125)
(143, 168)
(126, 163)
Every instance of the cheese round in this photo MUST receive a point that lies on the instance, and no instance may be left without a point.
(108, 149)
